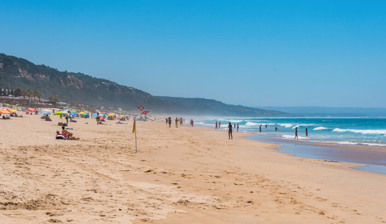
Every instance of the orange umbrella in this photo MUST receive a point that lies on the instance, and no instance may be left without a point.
(4, 112)
(31, 110)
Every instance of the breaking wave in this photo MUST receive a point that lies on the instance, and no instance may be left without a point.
(368, 132)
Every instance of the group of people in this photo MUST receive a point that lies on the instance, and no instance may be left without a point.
(296, 133)
(179, 121)
(65, 135)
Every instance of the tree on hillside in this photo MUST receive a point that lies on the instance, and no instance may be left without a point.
(54, 99)
(18, 92)
(37, 93)
(29, 93)
(24, 93)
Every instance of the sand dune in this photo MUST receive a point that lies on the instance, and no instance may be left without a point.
(184, 175)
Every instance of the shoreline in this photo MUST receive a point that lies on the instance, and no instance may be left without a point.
(368, 158)
(179, 175)
(342, 151)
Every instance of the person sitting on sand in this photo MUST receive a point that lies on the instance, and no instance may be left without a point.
(47, 118)
(68, 134)
(59, 136)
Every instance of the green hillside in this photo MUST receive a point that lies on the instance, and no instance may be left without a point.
(84, 89)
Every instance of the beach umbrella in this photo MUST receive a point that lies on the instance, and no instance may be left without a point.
(13, 111)
(144, 113)
(4, 112)
(31, 110)
(74, 114)
(60, 113)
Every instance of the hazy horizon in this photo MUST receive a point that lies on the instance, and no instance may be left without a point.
(280, 53)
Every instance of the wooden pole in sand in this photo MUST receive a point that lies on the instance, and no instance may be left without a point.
(135, 123)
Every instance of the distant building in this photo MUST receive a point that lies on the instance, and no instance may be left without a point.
(7, 92)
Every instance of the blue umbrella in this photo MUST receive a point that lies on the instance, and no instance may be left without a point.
(74, 114)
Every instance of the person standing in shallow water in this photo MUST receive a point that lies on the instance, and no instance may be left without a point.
(216, 125)
(306, 132)
(170, 122)
(237, 127)
(230, 136)
(260, 128)
(296, 133)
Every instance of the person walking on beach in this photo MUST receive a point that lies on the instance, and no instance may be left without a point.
(306, 132)
(170, 122)
(166, 121)
(67, 119)
(219, 124)
(237, 127)
(216, 125)
(230, 136)
(191, 122)
(296, 133)
(176, 122)
(260, 128)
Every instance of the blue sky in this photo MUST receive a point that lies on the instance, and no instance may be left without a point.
(254, 53)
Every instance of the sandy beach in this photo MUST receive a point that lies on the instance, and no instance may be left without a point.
(179, 175)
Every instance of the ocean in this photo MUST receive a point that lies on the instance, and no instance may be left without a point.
(361, 131)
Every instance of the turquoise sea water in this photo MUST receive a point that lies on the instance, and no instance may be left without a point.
(367, 131)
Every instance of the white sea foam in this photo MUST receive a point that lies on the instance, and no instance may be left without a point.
(358, 131)
(361, 143)
(235, 121)
(293, 136)
(286, 125)
(301, 125)
(319, 128)
(251, 124)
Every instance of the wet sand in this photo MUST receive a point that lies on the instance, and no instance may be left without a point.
(184, 175)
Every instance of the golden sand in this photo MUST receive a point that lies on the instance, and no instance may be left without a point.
(184, 175)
